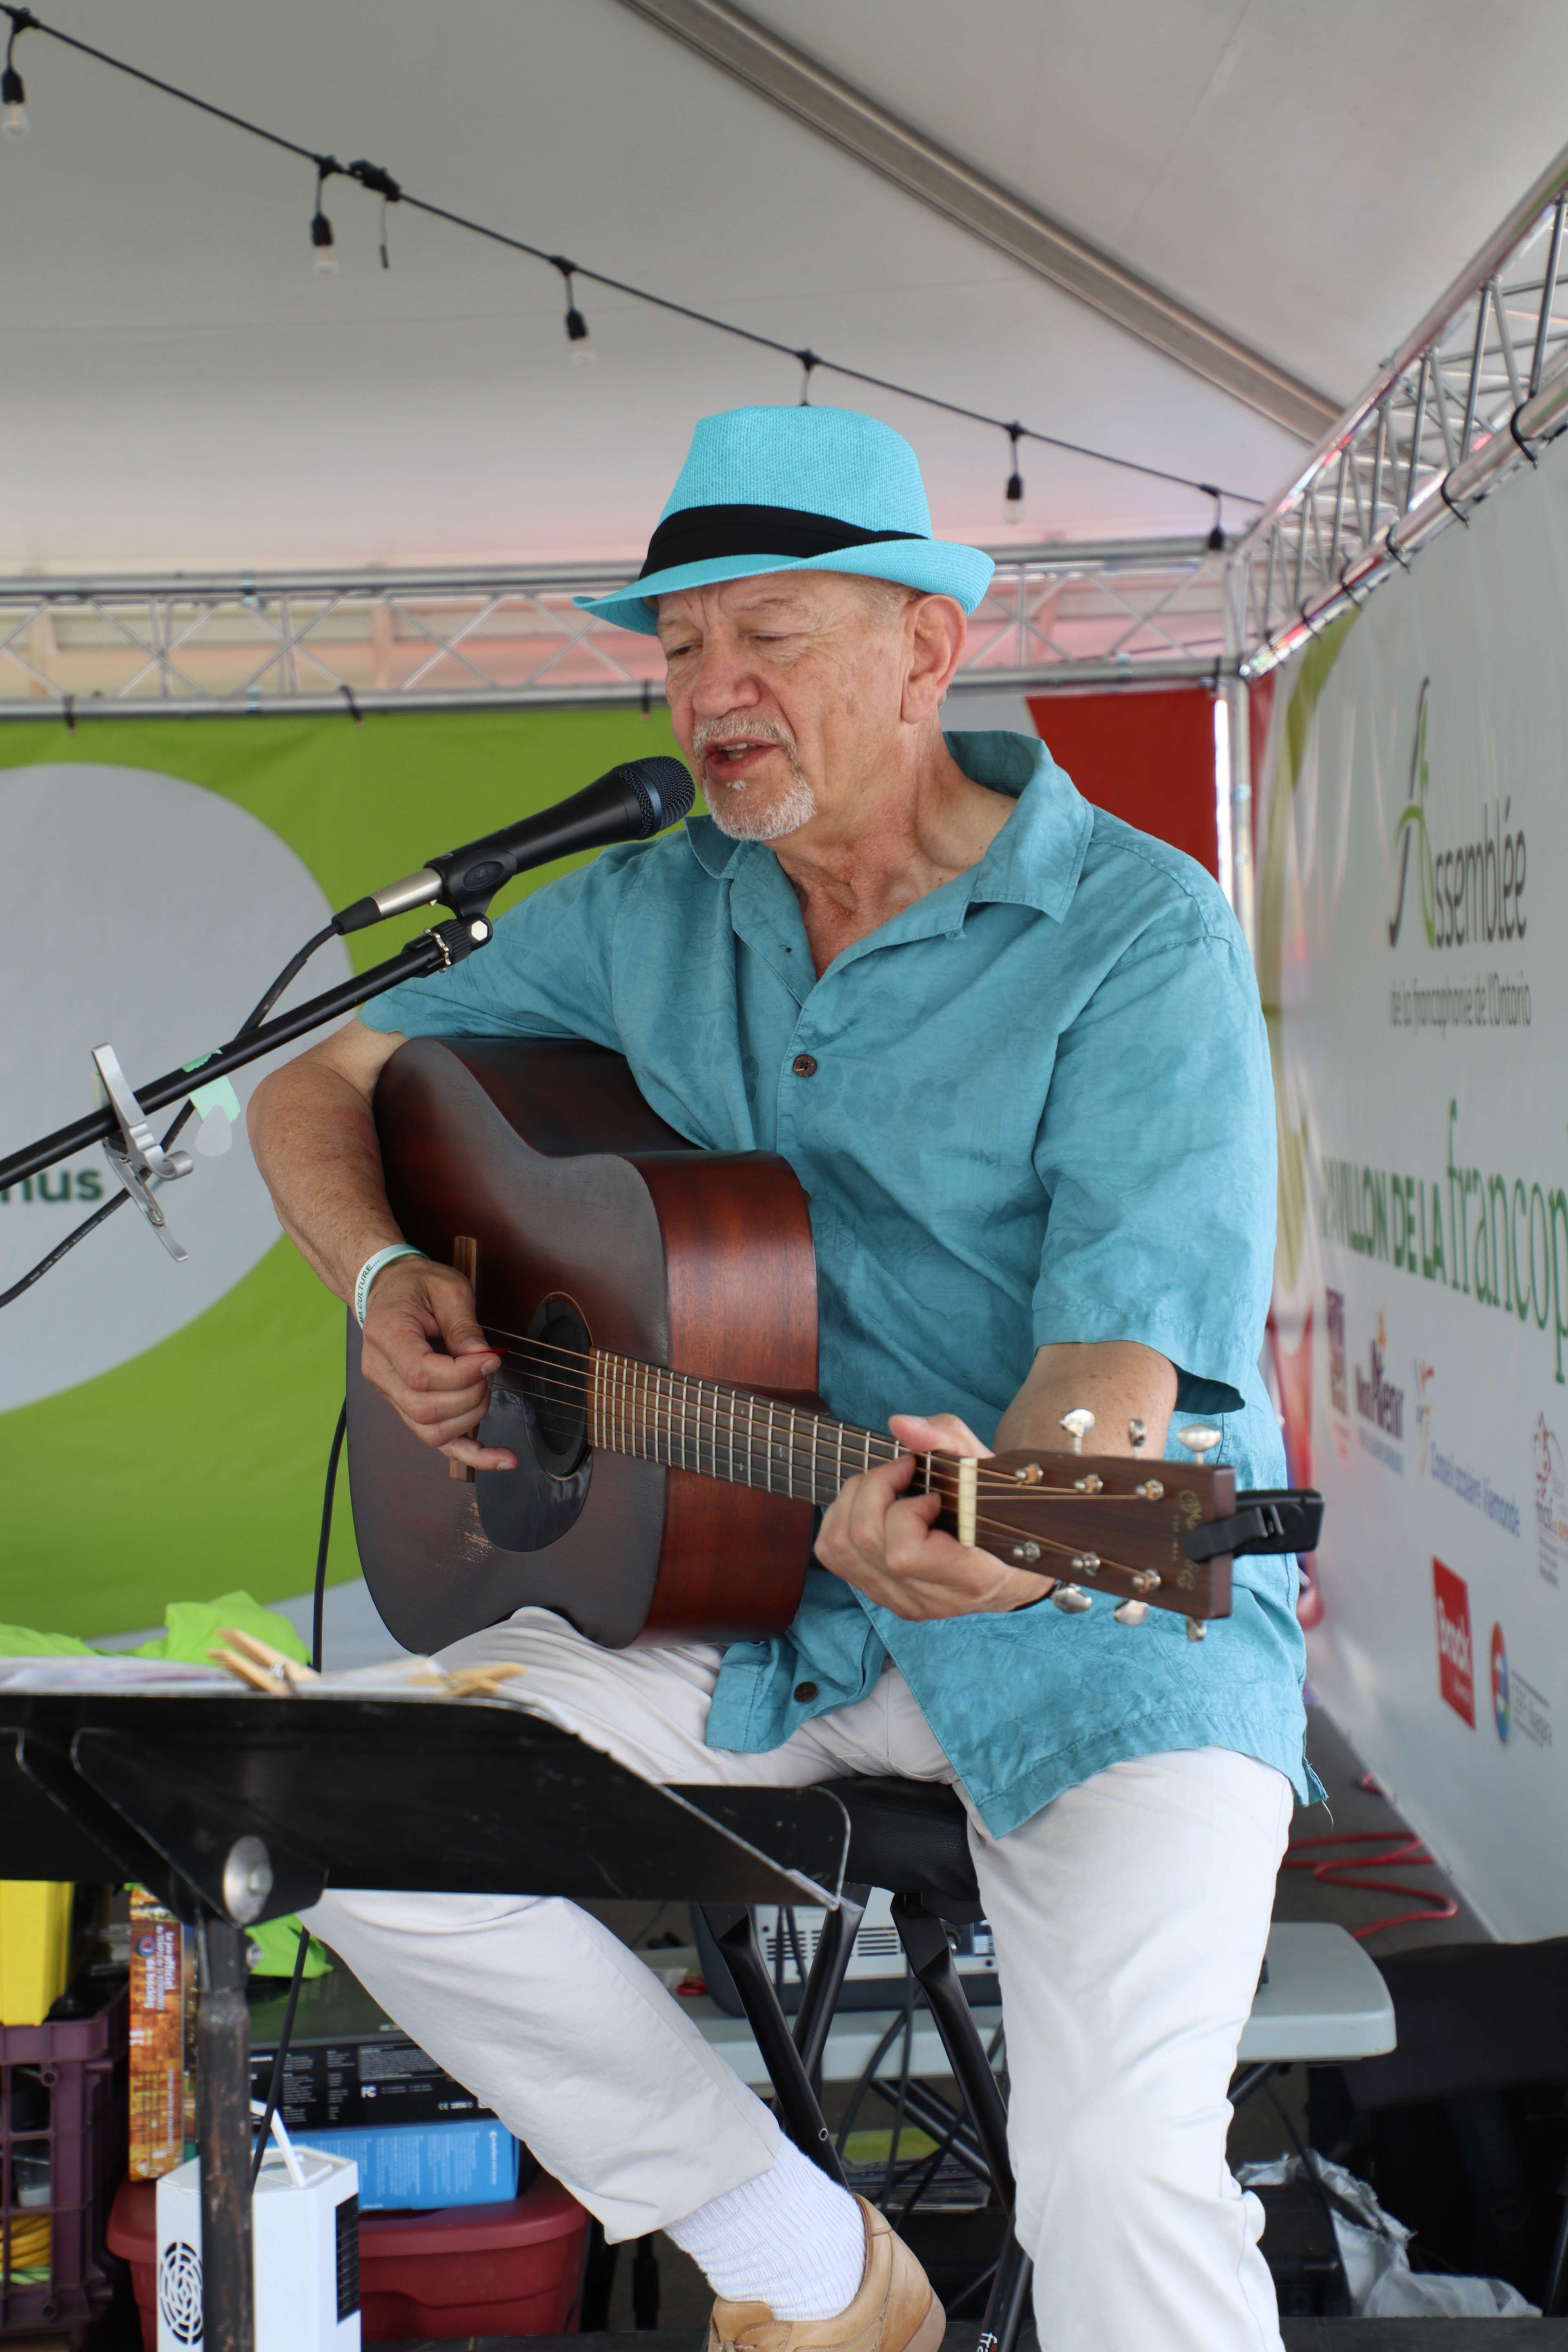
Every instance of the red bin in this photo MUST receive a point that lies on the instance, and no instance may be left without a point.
(474, 2270)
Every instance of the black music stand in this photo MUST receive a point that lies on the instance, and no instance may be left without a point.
(233, 1810)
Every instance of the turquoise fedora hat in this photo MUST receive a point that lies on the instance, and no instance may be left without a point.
(796, 490)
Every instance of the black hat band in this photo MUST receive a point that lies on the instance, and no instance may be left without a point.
(702, 534)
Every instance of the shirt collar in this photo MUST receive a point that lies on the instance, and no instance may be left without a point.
(1035, 860)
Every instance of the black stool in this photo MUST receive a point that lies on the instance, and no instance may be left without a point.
(911, 1838)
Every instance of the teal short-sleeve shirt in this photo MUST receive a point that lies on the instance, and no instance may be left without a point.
(1036, 1107)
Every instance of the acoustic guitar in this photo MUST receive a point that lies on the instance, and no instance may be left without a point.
(654, 1306)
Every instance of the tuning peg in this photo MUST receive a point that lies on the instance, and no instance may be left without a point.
(1130, 1613)
(1199, 1438)
(1071, 1600)
(1077, 1424)
(1196, 1628)
(1137, 1434)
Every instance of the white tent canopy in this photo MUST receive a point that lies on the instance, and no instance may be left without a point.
(181, 388)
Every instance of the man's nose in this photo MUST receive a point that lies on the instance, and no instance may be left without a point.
(725, 681)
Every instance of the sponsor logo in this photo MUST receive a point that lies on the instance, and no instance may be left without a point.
(1467, 1486)
(1551, 1501)
(1517, 1705)
(1334, 1315)
(1455, 1665)
(1470, 891)
(1425, 1376)
(1376, 1398)
(1380, 1406)
(1499, 1684)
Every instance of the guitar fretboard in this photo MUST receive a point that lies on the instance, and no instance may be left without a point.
(725, 1432)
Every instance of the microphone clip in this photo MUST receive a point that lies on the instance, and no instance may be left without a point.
(461, 938)
(136, 1156)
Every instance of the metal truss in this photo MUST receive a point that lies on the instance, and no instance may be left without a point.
(1478, 388)
(1147, 611)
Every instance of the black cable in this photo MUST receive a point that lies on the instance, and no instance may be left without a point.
(281, 2055)
(864, 2084)
(253, 1019)
(319, 1601)
(373, 178)
(936, 2159)
(890, 2169)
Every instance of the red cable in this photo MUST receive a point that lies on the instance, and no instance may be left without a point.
(1407, 1853)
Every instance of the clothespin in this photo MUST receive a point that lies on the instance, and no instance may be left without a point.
(260, 1667)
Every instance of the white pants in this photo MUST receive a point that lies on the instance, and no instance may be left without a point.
(1129, 1919)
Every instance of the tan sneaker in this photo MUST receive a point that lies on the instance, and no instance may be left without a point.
(895, 2310)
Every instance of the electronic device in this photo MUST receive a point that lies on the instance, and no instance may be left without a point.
(875, 1976)
(304, 2221)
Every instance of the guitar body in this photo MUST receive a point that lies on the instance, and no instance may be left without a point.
(595, 1226)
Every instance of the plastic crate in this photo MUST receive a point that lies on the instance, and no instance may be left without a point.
(474, 2270)
(62, 2151)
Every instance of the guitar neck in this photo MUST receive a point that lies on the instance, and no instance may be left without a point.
(729, 1434)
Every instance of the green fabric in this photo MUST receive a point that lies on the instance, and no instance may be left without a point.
(192, 1629)
(21, 1641)
(198, 1465)
(274, 1944)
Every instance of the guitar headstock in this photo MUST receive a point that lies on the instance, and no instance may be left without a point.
(1100, 1522)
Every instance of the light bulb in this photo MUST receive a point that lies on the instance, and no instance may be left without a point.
(14, 98)
(321, 238)
(579, 339)
(1013, 502)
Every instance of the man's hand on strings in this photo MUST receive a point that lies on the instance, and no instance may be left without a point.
(884, 1540)
(426, 1354)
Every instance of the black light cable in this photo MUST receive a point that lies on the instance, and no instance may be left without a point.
(13, 90)
(373, 178)
(320, 227)
(1013, 503)
(318, 1609)
(253, 1019)
(577, 336)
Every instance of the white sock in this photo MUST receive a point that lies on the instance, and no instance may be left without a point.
(792, 2238)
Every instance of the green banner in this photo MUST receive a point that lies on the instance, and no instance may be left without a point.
(193, 1466)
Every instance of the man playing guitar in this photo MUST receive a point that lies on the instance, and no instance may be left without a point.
(1013, 1050)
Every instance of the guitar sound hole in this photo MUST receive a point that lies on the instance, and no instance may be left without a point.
(537, 1410)
(557, 1385)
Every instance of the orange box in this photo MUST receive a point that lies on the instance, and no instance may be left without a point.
(162, 2088)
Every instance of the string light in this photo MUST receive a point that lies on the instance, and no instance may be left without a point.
(1013, 501)
(1217, 542)
(13, 98)
(578, 339)
(12, 90)
(320, 227)
(807, 362)
(380, 183)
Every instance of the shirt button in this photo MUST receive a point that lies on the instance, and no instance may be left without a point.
(805, 1692)
(804, 1066)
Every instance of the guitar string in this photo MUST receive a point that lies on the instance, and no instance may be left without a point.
(890, 1450)
(639, 1411)
(693, 1421)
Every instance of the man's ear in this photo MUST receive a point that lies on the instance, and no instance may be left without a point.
(936, 628)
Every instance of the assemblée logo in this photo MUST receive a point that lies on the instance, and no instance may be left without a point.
(1472, 891)
(1455, 1654)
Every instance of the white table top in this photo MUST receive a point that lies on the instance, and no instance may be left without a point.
(1325, 2001)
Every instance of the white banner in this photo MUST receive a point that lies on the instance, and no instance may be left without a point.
(1414, 962)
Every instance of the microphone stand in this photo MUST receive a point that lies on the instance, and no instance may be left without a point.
(434, 950)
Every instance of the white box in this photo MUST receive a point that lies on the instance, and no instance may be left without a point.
(305, 2246)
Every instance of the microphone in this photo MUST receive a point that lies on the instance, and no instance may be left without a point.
(632, 802)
